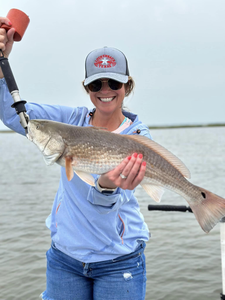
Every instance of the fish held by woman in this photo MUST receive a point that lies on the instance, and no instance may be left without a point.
(90, 150)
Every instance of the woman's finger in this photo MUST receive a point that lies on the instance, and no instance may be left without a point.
(111, 178)
(3, 39)
(131, 169)
(127, 175)
(6, 21)
(140, 176)
(119, 169)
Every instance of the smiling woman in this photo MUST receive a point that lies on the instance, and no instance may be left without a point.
(107, 82)
(98, 233)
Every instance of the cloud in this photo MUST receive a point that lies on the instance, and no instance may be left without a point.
(167, 8)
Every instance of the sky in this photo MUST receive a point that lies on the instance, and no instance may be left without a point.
(175, 51)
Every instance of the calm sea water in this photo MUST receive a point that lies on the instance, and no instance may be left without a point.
(182, 261)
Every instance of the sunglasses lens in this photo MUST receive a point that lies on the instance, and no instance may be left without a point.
(114, 85)
(95, 86)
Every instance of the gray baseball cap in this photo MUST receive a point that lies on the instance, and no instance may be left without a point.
(106, 63)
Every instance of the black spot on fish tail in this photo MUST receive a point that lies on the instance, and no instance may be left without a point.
(208, 209)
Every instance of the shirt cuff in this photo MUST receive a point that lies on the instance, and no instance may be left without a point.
(105, 202)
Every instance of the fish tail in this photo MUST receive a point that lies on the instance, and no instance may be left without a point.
(209, 210)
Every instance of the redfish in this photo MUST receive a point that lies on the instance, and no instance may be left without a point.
(90, 150)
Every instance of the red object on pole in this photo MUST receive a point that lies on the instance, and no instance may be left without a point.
(19, 21)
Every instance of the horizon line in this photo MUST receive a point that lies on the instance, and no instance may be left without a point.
(158, 126)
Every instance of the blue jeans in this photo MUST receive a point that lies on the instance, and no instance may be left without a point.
(123, 278)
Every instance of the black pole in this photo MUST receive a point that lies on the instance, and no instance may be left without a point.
(19, 104)
(181, 208)
(7, 72)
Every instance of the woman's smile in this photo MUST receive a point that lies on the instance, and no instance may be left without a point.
(108, 99)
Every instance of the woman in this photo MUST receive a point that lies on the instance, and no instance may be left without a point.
(98, 233)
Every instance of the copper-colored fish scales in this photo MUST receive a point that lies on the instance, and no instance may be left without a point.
(87, 150)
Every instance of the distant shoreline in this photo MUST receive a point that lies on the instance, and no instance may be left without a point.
(187, 126)
(7, 131)
(162, 126)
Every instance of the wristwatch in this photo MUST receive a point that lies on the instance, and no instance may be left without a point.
(104, 190)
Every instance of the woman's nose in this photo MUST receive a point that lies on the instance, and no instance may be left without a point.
(105, 86)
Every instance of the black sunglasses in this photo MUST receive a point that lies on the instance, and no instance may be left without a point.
(96, 85)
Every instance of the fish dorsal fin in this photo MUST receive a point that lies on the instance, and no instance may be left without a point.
(154, 191)
(166, 154)
(86, 177)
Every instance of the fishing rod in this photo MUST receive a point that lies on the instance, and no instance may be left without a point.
(20, 22)
(184, 208)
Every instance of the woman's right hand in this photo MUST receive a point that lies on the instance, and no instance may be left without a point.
(6, 38)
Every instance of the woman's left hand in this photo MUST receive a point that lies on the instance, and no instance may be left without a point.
(127, 175)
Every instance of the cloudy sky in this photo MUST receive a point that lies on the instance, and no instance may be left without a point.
(175, 50)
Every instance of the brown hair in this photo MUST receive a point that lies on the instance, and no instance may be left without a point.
(129, 86)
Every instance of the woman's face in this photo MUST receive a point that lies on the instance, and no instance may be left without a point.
(108, 101)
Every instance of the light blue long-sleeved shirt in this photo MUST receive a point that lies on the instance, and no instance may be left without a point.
(85, 224)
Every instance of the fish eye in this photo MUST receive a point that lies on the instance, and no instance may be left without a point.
(37, 127)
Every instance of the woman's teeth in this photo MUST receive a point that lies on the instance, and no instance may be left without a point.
(106, 99)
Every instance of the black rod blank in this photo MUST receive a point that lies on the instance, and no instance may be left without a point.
(181, 208)
(9, 78)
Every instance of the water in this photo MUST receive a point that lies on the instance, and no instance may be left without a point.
(182, 261)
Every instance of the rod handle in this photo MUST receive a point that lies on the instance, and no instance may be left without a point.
(7, 72)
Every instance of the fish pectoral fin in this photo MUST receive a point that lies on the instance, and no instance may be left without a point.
(154, 191)
(86, 177)
(69, 168)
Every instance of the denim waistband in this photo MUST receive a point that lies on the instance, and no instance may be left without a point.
(137, 252)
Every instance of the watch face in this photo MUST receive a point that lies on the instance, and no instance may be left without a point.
(108, 191)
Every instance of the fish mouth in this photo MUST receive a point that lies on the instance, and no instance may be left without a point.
(29, 134)
(29, 137)
(106, 99)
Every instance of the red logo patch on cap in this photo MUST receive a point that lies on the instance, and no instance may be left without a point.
(105, 61)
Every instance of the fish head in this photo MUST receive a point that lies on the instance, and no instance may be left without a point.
(45, 136)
